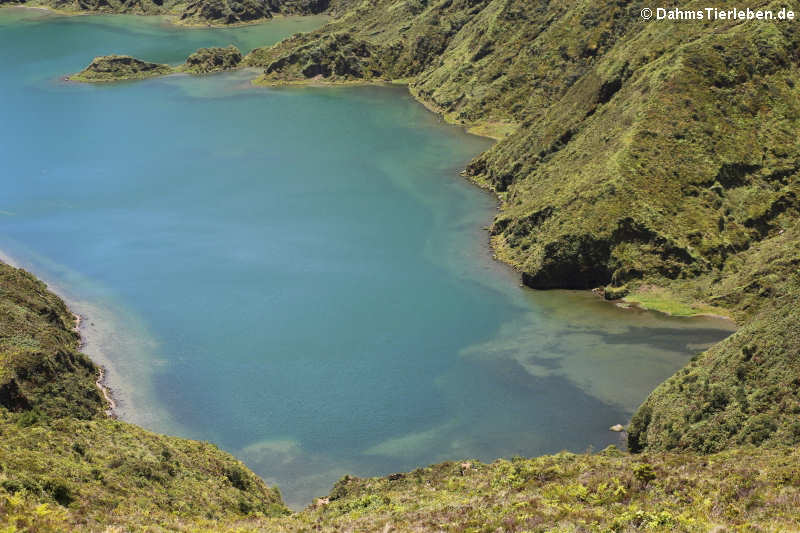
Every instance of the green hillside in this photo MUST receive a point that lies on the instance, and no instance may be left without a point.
(658, 160)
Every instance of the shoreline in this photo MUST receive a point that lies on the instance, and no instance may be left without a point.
(494, 130)
(105, 389)
(81, 325)
(490, 129)
(108, 394)
(169, 19)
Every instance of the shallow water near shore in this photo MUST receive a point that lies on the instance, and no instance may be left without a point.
(298, 275)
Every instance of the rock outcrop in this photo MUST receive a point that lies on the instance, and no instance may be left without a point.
(215, 59)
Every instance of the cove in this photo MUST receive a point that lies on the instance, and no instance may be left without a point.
(297, 275)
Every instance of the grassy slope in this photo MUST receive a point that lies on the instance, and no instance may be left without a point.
(653, 158)
(738, 490)
(42, 374)
(745, 389)
(58, 449)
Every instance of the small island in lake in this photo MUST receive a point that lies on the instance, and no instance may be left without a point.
(119, 68)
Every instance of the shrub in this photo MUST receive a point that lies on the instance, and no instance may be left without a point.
(644, 473)
(238, 477)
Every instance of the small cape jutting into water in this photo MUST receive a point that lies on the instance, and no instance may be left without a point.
(122, 68)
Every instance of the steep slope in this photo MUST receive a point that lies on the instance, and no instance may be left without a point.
(42, 374)
(58, 448)
(745, 389)
(647, 157)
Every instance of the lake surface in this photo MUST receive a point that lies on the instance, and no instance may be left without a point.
(298, 275)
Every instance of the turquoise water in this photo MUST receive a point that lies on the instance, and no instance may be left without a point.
(298, 275)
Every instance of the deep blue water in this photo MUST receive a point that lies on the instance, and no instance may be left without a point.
(298, 275)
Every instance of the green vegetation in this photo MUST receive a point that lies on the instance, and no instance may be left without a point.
(745, 389)
(665, 300)
(739, 490)
(658, 160)
(119, 68)
(216, 59)
(65, 465)
(42, 375)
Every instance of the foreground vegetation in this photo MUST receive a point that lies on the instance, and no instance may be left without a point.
(657, 160)
(742, 490)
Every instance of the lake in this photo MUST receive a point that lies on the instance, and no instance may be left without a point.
(298, 275)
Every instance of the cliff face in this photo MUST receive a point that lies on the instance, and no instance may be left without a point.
(649, 157)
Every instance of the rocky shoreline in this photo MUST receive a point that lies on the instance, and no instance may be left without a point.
(105, 390)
